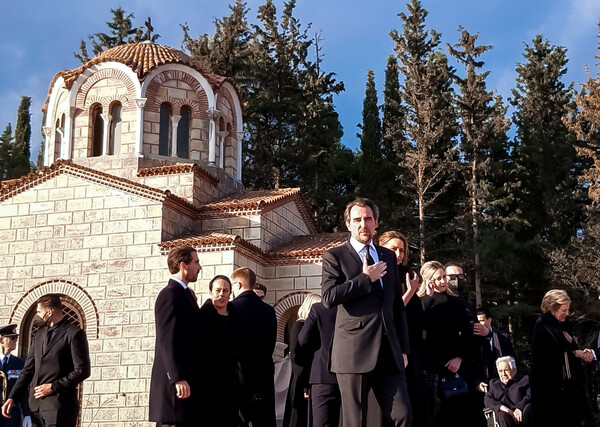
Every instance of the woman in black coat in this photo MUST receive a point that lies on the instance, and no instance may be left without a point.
(447, 345)
(219, 361)
(557, 388)
(415, 382)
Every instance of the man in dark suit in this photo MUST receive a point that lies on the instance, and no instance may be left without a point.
(490, 344)
(11, 369)
(370, 343)
(256, 325)
(174, 384)
(58, 361)
(315, 337)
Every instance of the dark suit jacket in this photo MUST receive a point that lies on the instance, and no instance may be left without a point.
(486, 354)
(21, 408)
(64, 364)
(176, 355)
(365, 310)
(257, 329)
(316, 337)
(515, 394)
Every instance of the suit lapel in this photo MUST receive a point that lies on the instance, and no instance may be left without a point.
(60, 331)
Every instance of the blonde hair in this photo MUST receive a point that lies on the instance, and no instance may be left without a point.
(553, 299)
(308, 302)
(389, 235)
(427, 271)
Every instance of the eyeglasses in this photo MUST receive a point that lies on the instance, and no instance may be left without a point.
(455, 276)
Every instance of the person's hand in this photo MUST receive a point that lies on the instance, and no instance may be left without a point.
(375, 271)
(482, 387)
(518, 415)
(42, 391)
(480, 330)
(429, 289)
(405, 357)
(7, 407)
(505, 409)
(585, 355)
(412, 284)
(183, 389)
(453, 365)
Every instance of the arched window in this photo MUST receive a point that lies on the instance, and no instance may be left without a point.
(97, 129)
(58, 136)
(183, 133)
(114, 143)
(164, 136)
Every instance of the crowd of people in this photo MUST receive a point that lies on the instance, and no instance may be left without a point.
(381, 345)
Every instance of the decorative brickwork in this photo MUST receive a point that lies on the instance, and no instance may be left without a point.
(285, 308)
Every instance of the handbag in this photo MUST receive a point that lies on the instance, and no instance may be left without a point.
(453, 387)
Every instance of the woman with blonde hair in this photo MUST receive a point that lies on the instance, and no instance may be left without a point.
(446, 346)
(557, 390)
(296, 407)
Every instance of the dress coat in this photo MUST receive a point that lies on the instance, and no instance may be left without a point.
(487, 351)
(256, 325)
(64, 362)
(219, 366)
(176, 355)
(365, 310)
(515, 394)
(555, 398)
(21, 407)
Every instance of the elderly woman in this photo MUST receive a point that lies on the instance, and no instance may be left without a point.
(446, 347)
(509, 395)
(557, 391)
(397, 243)
(219, 363)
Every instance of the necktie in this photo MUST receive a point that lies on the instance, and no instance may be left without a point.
(4, 363)
(370, 260)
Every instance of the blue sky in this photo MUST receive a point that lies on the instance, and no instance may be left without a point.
(38, 38)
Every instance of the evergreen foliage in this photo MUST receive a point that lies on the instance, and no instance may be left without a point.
(121, 31)
(429, 124)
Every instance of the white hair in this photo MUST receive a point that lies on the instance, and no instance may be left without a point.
(508, 359)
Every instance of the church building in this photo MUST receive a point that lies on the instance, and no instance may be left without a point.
(143, 153)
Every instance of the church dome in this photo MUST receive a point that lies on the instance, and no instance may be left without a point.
(142, 58)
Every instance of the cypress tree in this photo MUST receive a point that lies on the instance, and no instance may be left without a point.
(20, 164)
(5, 152)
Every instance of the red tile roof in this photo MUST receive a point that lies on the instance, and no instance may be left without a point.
(178, 168)
(259, 201)
(142, 58)
(299, 249)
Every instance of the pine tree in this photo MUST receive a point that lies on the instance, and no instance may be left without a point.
(483, 122)
(121, 31)
(429, 122)
(370, 157)
(20, 152)
(548, 198)
(5, 152)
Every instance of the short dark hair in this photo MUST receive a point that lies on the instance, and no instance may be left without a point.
(485, 311)
(260, 287)
(219, 277)
(51, 301)
(246, 276)
(362, 202)
(177, 255)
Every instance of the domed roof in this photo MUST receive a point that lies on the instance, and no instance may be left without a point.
(142, 58)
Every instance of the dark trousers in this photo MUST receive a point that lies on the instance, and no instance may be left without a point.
(389, 388)
(326, 404)
(66, 417)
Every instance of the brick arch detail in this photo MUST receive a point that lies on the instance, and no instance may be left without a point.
(104, 74)
(283, 312)
(65, 287)
(199, 111)
(227, 95)
(177, 103)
